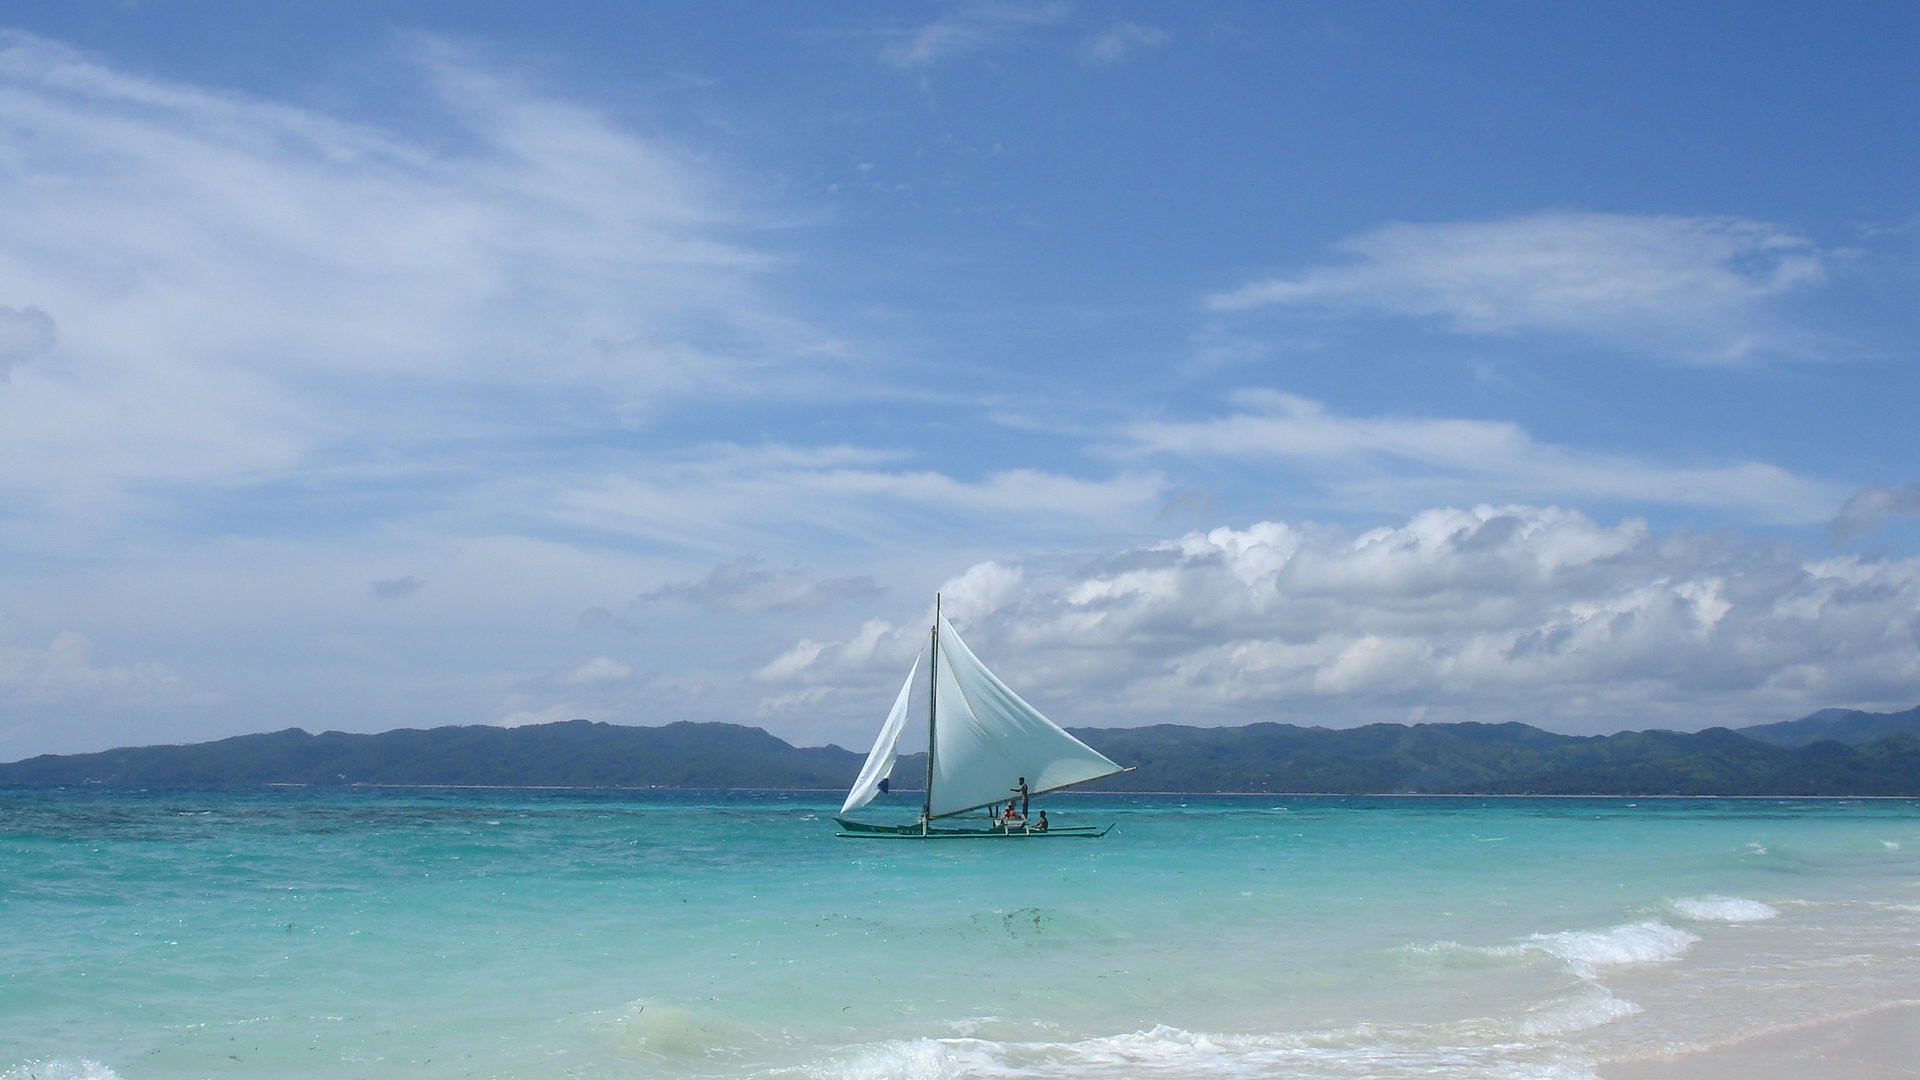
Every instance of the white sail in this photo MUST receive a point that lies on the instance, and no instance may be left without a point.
(985, 738)
(880, 758)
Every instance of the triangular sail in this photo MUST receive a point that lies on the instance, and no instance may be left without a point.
(880, 758)
(986, 738)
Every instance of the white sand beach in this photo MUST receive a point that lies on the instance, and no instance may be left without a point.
(1879, 1045)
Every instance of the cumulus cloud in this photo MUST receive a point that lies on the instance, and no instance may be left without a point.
(748, 584)
(65, 670)
(1384, 460)
(1694, 289)
(877, 637)
(1525, 613)
(971, 29)
(25, 334)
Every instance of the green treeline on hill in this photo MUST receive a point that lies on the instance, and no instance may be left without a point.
(1836, 752)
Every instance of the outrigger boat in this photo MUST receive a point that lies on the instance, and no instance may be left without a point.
(982, 743)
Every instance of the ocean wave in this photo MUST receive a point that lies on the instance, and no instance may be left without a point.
(1451, 955)
(1722, 909)
(1588, 952)
(913, 1059)
(60, 1069)
(1595, 1007)
(1363, 1052)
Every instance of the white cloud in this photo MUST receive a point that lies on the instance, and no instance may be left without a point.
(974, 28)
(747, 498)
(1118, 42)
(876, 637)
(600, 669)
(65, 671)
(1495, 613)
(1386, 460)
(246, 290)
(747, 584)
(1700, 290)
(983, 589)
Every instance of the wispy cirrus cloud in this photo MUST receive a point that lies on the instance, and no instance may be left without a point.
(974, 28)
(749, 584)
(245, 289)
(1409, 461)
(1120, 41)
(742, 498)
(1692, 289)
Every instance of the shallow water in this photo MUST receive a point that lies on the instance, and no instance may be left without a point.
(394, 933)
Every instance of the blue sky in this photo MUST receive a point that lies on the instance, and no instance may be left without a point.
(406, 364)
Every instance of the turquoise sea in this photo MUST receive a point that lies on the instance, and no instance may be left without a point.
(527, 935)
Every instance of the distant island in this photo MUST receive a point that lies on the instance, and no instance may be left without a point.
(1837, 752)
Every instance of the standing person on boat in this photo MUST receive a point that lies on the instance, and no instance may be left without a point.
(1021, 791)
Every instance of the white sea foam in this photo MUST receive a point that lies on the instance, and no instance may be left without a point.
(1722, 909)
(1362, 1052)
(1444, 955)
(915, 1059)
(60, 1069)
(1591, 1008)
(1588, 952)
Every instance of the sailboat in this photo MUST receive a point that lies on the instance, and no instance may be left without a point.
(983, 742)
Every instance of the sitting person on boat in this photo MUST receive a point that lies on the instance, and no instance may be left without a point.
(1011, 817)
(1041, 825)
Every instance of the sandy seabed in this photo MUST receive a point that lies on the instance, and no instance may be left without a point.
(1878, 1045)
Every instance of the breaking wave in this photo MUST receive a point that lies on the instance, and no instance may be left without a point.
(1363, 1051)
(60, 1069)
(1722, 909)
(1594, 1008)
(1588, 952)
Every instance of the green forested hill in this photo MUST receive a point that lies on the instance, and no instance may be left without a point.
(575, 753)
(1839, 725)
(1829, 753)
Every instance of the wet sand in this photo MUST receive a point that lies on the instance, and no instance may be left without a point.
(1880, 1045)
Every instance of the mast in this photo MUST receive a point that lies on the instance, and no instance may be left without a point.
(933, 709)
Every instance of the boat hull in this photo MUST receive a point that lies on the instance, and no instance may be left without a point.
(860, 830)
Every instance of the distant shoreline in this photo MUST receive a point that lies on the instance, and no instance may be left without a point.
(1828, 755)
(1072, 795)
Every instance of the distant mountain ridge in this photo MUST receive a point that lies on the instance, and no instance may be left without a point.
(1850, 726)
(1833, 752)
(572, 753)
